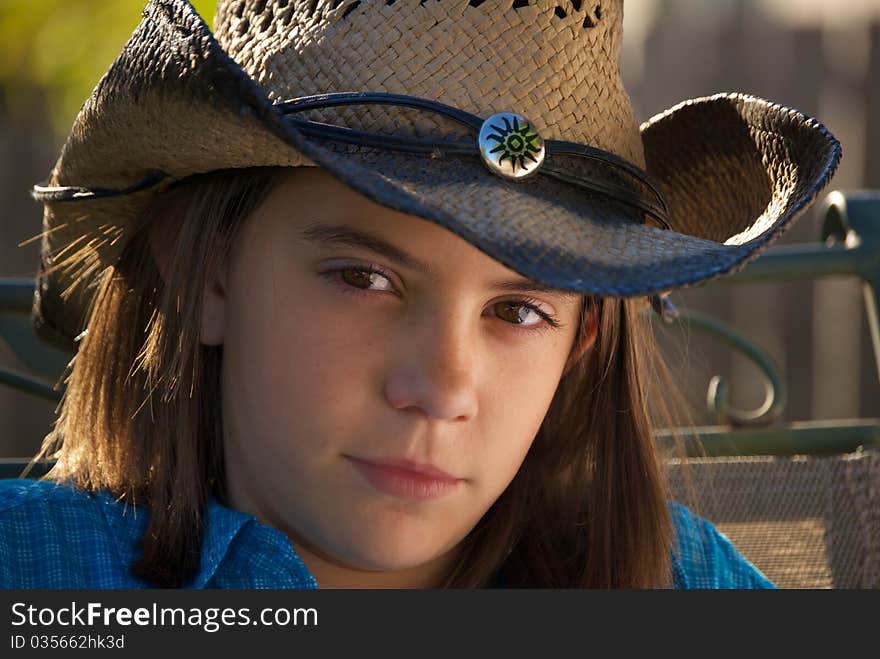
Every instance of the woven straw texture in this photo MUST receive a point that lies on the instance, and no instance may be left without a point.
(556, 63)
(736, 170)
(806, 522)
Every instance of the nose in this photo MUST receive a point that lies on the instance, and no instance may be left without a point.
(435, 371)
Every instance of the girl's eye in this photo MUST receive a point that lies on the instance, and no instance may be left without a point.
(525, 314)
(365, 279)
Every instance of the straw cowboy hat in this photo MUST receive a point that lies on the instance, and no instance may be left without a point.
(504, 122)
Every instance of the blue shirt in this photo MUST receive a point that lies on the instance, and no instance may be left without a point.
(56, 536)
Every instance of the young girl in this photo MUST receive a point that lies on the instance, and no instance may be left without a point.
(392, 335)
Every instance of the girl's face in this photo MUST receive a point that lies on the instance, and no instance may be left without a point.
(354, 335)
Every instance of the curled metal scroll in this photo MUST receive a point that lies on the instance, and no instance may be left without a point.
(718, 393)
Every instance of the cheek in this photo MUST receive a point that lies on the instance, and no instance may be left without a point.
(524, 380)
(298, 365)
(511, 416)
(326, 372)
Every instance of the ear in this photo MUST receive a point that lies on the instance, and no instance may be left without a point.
(586, 337)
(213, 327)
(163, 235)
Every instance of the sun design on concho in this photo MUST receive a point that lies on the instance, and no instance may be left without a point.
(510, 146)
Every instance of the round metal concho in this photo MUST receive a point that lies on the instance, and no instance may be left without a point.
(510, 147)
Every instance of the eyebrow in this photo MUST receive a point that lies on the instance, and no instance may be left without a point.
(346, 235)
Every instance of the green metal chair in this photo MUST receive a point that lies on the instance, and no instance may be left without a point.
(801, 500)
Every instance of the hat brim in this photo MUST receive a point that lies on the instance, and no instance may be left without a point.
(736, 170)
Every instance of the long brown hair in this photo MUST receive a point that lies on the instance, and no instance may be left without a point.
(141, 417)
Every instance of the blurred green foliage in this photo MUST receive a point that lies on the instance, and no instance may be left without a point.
(54, 52)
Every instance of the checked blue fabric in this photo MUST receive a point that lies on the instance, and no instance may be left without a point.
(55, 536)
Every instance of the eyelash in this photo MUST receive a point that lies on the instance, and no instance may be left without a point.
(550, 321)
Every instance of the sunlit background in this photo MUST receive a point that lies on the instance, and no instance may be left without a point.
(820, 57)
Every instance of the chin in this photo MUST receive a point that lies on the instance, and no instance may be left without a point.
(390, 552)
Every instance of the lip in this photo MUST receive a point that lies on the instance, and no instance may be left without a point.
(405, 478)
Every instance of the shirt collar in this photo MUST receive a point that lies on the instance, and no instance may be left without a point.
(221, 525)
